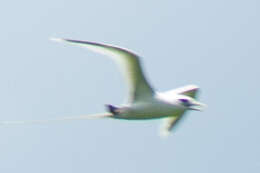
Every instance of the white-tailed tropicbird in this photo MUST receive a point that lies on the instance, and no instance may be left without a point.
(143, 101)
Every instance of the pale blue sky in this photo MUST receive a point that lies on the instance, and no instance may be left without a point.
(214, 44)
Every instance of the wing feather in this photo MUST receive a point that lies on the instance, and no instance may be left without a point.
(169, 124)
(129, 62)
(188, 90)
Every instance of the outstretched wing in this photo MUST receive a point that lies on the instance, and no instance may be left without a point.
(169, 123)
(188, 90)
(95, 116)
(139, 88)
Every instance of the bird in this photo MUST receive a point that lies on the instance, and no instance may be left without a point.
(143, 101)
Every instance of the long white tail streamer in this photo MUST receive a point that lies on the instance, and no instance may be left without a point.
(95, 116)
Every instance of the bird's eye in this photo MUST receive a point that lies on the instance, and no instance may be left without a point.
(185, 102)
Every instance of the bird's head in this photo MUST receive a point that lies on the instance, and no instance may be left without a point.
(190, 103)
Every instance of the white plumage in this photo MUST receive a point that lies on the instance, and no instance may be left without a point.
(143, 101)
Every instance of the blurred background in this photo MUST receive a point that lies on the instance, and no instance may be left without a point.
(213, 44)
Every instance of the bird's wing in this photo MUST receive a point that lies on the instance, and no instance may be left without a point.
(129, 64)
(94, 116)
(188, 90)
(169, 123)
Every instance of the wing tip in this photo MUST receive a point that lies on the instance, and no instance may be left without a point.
(57, 39)
(163, 133)
(193, 86)
(71, 41)
(189, 88)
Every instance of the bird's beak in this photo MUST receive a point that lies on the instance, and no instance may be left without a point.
(197, 106)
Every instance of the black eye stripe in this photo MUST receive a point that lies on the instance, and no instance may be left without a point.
(184, 100)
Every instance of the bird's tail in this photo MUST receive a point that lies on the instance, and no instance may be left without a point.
(112, 109)
(95, 116)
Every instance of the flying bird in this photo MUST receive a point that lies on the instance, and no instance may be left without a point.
(143, 101)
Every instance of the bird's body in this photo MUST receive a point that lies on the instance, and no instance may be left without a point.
(158, 107)
(143, 102)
